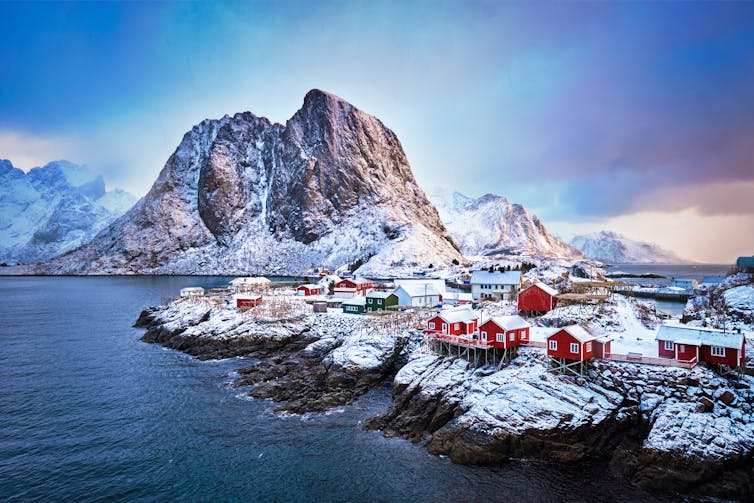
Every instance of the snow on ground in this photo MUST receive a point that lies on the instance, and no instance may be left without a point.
(740, 297)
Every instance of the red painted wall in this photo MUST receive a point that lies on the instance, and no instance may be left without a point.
(564, 340)
(535, 299)
(730, 358)
(664, 353)
(248, 302)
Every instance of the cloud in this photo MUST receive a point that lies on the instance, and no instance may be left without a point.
(28, 151)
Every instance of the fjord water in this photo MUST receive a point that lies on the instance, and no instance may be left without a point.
(89, 412)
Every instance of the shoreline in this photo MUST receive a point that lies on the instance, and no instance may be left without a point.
(624, 415)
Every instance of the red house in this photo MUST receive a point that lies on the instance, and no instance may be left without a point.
(246, 301)
(350, 287)
(697, 344)
(456, 322)
(572, 343)
(504, 332)
(310, 289)
(537, 299)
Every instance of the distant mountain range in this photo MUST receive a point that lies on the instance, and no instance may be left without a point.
(613, 248)
(330, 188)
(53, 209)
(490, 225)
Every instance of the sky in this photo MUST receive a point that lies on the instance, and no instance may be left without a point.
(636, 117)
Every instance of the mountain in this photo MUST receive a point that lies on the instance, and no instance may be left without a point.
(490, 225)
(331, 187)
(613, 248)
(53, 209)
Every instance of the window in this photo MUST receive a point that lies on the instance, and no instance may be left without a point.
(681, 348)
(484, 335)
(574, 347)
(457, 326)
(431, 325)
(669, 345)
(512, 336)
(553, 345)
(444, 327)
(500, 337)
(588, 347)
(718, 351)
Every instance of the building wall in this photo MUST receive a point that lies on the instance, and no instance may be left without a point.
(535, 299)
(730, 358)
(665, 353)
(564, 340)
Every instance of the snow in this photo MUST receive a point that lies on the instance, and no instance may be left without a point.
(740, 297)
(696, 336)
(613, 248)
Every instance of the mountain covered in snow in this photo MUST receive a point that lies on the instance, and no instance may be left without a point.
(490, 225)
(331, 187)
(612, 248)
(53, 209)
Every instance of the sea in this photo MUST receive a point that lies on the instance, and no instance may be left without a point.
(89, 412)
(668, 272)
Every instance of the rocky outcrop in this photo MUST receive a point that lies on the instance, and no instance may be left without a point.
(331, 187)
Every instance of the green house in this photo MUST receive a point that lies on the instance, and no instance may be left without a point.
(354, 305)
(745, 264)
(379, 301)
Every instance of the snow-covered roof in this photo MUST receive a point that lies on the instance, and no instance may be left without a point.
(380, 295)
(418, 289)
(496, 277)
(697, 336)
(355, 301)
(437, 284)
(311, 286)
(512, 322)
(457, 315)
(253, 280)
(545, 288)
(247, 296)
(577, 332)
(191, 289)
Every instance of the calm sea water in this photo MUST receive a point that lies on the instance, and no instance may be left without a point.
(88, 412)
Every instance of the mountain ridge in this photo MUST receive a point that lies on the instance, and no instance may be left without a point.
(614, 248)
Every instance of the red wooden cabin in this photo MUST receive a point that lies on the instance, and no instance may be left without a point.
(697, 344)
(349, 287)
(572, 343)
(504, 332)
(246, 301)
(460, 322)
(310, 289)
(537, 299)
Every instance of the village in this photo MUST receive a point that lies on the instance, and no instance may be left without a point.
(503, 312)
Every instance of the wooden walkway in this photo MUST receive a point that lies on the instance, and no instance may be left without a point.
(631, 357)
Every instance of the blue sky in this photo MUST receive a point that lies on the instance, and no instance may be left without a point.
(636, 117)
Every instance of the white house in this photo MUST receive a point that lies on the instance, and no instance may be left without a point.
(249, 283)
(495, 285)
(417, 294)
(685, 283)
(192, 291)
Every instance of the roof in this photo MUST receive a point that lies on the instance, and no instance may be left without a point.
(247, 296)
(355, 301)
(512, 322)
(457, 315)
(192, 289)
(697, 336)
(380, 295)
(310, 286)
(496, 277)
(545, 288)
(418, 289)
(745, 262)
(253, 280)
(437, 284)
(577, 332)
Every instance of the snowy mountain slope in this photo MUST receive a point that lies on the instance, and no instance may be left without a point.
(491, 225)
(240, 194)
(613, 248)
(53, 209)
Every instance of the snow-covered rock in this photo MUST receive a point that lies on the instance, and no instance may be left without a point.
(240, 194)
(53, 209)
(613, 248)
(490, 225)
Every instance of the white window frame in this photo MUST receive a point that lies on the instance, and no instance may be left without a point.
(669, 346)
(512, 336)
(444, 327)
(574, 348)
(553, 345)
(457, 326)
(431, 325)
(484, 335)
(588, 347)
(681, 348)
(500, 337)
(717, 351)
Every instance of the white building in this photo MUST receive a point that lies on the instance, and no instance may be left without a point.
(417, 294)
(192, 291)
(249, 283)
(685, 283)
(495, 285)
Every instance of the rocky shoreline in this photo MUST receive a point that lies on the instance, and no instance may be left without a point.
(689, 431)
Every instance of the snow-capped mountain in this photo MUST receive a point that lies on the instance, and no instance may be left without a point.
(240, 194)
(53, 209)
(613, 248)
(490, 225)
